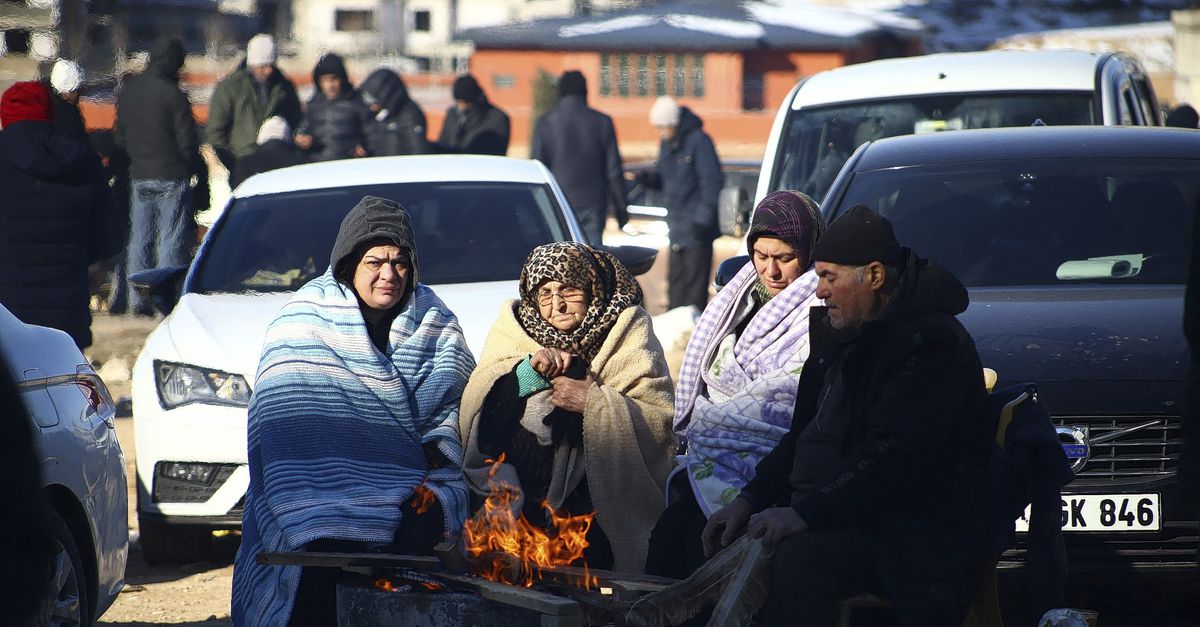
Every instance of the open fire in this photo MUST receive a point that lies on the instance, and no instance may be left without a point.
(511, 550)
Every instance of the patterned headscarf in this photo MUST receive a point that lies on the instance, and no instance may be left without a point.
(609, 285)
(792, 217)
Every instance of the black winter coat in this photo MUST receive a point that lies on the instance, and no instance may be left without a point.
(913, 468)
(55, 219)
(154, 125)
(274, 154)
(689, 173)
(337, 126)
(481, 130)
(399, 128)
(579, 145)
(67, 118)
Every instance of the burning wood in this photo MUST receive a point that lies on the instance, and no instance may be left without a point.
(522, 549)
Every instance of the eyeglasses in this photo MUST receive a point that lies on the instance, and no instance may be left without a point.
(571, 295)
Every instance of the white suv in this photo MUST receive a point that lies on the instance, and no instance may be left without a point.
(830, 114)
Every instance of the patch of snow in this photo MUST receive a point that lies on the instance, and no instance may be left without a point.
(1151, 43)
(716, 26)
(826, 20)
(606, 26)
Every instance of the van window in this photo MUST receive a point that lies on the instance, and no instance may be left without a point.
(817, 141)
(1129, 107)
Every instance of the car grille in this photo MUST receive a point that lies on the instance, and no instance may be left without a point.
(1174, 549)
(170, 490)
(1127, 449)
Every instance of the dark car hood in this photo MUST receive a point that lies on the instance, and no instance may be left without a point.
(1091, 349)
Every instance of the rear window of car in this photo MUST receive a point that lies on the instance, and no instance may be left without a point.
(466, 232)
(1041, 221)
(817, 141)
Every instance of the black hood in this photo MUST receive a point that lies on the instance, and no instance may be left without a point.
(376, 218)
(386, 89)
(34, 148)
(166, 58)
(925, 288)
(688, 122)
(330, 64)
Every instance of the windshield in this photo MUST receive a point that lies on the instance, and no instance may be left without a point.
(1041, 221)
(817, 141)
(466, 232)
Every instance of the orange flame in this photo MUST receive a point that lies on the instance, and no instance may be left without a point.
(422, 499)
(494, 530)
(385, 584)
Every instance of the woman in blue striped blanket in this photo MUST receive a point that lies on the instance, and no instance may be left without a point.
(352, 441)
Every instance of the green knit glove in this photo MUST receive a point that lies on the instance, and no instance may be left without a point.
(529, 381)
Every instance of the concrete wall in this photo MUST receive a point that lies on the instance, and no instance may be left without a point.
(1187, 55)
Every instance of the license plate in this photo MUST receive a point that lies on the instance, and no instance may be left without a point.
(1105, 513)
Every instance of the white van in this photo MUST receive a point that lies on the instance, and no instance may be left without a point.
(830, 114)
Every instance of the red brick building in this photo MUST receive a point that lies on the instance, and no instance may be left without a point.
(732, 62)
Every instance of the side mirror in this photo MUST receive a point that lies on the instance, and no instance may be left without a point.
(733, 210)
(727, 269)
(637, 259)
(162, 286)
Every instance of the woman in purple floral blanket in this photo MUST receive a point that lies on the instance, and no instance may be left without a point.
(737, 386)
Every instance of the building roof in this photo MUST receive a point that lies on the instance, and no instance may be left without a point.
(718, 25)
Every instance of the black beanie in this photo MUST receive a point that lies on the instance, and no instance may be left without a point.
(572, 83)
(857, 238)
(467, 88)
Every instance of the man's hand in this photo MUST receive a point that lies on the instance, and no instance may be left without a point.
(571, 394)
(303, 141)
(725, 526)
(774, 524)
(550, 362)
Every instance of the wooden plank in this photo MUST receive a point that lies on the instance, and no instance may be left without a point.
(542, 602)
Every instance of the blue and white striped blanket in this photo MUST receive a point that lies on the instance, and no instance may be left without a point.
(336, 429)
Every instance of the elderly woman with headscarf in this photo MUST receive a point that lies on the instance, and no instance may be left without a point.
(573, 389)
(352, 441)
(737, 385)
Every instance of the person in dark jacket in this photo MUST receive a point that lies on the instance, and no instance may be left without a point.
(55, 219)
(336, 118)
(881, 484)
(156, 129)
(398, 124)
(65, 80)
(579, 145)
(689, 173)
(474, 125)
(242, 101)
(275, 150)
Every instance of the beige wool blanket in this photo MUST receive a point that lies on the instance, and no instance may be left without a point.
(628, 445)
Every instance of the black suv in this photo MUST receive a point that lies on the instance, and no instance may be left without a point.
(1074, 243)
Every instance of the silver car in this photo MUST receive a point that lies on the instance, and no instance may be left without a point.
(82, 468)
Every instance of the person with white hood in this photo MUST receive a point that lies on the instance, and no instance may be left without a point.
(66, 78)
(242, 101)
(275, 150)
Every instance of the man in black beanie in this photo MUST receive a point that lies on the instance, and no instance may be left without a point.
(881, 483)
(473, 124)
(579, 145)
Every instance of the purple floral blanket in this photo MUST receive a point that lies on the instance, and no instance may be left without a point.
(733, 417)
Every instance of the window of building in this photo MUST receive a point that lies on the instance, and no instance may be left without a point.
(623, 75)
(679, 75)
(421, 22)
(353, 20)
(643, 76)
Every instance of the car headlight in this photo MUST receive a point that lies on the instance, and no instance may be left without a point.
(180, 384)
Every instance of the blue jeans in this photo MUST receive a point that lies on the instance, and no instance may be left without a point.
(161, 230)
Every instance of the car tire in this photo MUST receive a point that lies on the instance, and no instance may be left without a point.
(66, 598)
(163, 543)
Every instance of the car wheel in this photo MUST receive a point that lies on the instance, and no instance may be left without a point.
(66, 599)
(164, 543)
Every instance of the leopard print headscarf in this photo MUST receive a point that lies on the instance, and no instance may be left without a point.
(609, 285)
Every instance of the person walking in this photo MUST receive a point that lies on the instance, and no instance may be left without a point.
(689, 174)
(56, 217)
(275, 150)
(156, 129)
(398, 124)
(242, 101)
(66, 77)
(473, 124)
(334, 123)
(579, 145)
